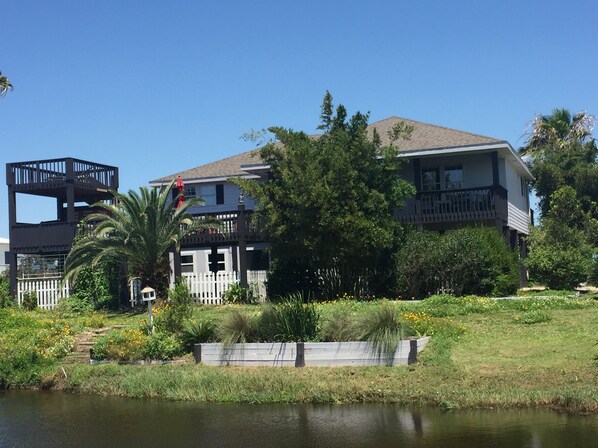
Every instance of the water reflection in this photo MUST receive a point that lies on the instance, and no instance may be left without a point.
(60, 420)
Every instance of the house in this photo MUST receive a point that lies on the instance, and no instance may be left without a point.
(4, 253)
(75, 185)
(461, 179)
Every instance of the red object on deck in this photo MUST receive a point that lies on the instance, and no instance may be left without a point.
(181, 186)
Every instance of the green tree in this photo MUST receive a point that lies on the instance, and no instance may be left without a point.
(139, 231)
(563, 157)
(5, 85)
(560, 255)
(562, 152)
(328, 206)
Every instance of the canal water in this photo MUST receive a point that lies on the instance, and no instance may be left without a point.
(40, 419)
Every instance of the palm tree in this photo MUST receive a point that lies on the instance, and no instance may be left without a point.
(557, 131)
(5, 85)
(140, 231)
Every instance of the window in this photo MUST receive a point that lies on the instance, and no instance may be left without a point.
(430, 179)
(216, 262)
(207, 193)
(187, 263)
(453, 177)
(523, 186)
(189, 192)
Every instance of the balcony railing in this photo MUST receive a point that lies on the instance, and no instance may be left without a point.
(466, 204)
(228, 229)
(45, 237)
(55, 172)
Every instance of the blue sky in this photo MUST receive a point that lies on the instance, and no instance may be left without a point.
(157, 87)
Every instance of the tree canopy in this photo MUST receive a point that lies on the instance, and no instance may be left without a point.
(140, 230)
(5, 85)
(328, 205)
(563, 158)
(562, 152)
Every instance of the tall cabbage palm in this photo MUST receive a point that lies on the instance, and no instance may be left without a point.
(558, 131)
(5, 85)
(140, 230)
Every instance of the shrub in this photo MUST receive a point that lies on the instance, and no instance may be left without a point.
(20, 365)
(161, 346)
(238, 327)
(423, 324)
(384, 328)
(195, 332)
(5, 299)
(29, 301)
(237, 294)
(127, 345)
(533, 317)
(172, 315)
(592, 279)
(552, 303)
(442, 305)
(559, 257)
(97, 287)
(93, 320)
(463, 261)
(73, 305)
(290, 320)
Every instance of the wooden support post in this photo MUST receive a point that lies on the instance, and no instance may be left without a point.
(242, 228)
(13, 274)
(495, 176)
(300, 357)
(197, 353)
(412, 357)
(177, 263)
(70, 190)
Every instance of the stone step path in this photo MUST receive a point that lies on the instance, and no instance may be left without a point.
(84, 342)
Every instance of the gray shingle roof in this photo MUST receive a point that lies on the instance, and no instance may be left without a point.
(425, 136)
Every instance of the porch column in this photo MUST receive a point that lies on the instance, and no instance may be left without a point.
(13, 274)
(495, 176)
(70, 190)
(12, 221)
(176, 262)
(241, 229)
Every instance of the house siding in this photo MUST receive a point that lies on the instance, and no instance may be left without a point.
(231, 199)
(518, 206)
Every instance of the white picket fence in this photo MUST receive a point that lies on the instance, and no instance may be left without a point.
(207, 288)
(48, 290)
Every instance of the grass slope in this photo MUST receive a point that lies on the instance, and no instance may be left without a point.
(498, 362)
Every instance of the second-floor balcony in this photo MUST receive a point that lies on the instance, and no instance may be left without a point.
(458, 205)
(228, 230)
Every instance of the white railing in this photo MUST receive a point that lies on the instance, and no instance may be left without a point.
(48, 291)
(207, 287)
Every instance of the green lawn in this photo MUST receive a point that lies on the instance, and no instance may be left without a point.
(497, 362)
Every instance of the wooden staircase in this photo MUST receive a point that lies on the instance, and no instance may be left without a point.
(84, 343)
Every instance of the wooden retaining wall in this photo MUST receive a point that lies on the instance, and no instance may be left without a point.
(306, 354)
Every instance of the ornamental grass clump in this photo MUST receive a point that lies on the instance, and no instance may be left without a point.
(339, 327)
(238, 327)
(293, 319)
(383, 327)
